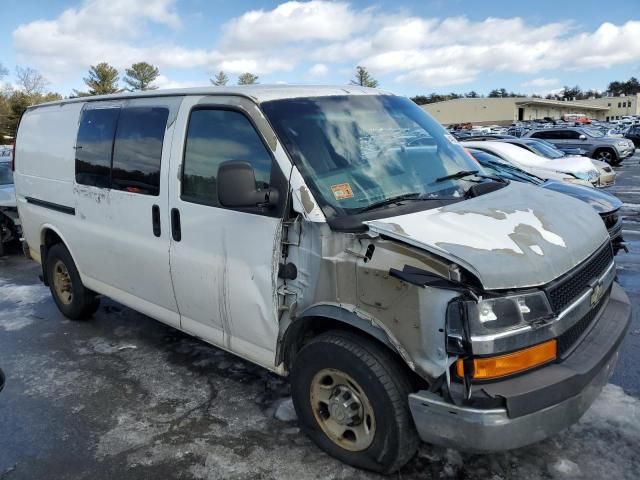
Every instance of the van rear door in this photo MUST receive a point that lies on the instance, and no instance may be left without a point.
(121, 196)
(224, 261)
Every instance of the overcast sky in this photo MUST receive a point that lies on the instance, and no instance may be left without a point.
(410, 46)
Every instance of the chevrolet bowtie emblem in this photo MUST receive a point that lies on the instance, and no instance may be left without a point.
(596, 293)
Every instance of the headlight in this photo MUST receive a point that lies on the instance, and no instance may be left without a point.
(622, 144)
(504, 313)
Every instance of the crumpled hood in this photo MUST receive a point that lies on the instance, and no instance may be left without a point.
(7, 196)
(516, 237)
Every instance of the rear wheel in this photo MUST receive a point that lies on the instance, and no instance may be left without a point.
(351, 397)
(73, 299)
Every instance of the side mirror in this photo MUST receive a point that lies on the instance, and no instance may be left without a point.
(237, 187)
(582, 136)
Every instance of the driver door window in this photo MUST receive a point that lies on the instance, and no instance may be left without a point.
(215, 136)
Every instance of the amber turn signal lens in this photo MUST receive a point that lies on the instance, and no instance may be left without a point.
(503, 365)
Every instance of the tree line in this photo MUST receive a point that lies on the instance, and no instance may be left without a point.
(616, 88)
(102, 78)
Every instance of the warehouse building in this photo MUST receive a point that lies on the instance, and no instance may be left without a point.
(504, 111)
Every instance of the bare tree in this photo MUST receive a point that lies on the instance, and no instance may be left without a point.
(31, 81)
(3, 71)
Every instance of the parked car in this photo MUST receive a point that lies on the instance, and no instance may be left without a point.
(9, 220)
(571, 169)
(597, 145)
(606, 175)
(404, 292)
(607, 205)
(634, 135)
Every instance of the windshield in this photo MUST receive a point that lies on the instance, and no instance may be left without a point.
(6, 175)
(545, 150)
(357, 151)
(592, 132)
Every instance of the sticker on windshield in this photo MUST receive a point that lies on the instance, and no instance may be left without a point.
(342, 191)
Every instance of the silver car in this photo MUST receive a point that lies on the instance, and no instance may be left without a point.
(597, 145)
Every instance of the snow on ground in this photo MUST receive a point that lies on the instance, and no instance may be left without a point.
(19, 312)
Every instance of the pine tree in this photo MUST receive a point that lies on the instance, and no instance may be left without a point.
(364, 78)
(102, 79)
(220, 80)
(247, 79)
(141, 75)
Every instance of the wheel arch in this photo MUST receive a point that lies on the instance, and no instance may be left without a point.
(323, 317)
(50, 236)
(608, 149)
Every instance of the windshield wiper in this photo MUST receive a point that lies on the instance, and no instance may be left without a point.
(391, 200)
(460, 174)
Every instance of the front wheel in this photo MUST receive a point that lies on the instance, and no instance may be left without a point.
(606, 155)
(73, 299)
(351, 397)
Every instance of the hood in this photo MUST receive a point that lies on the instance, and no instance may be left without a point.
(569, 164)
(601, 202)
(7, 196)
(515, 237)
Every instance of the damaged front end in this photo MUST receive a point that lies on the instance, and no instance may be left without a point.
(525, 364)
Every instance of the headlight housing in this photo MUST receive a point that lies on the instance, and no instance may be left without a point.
(493, 314)
(590, 175)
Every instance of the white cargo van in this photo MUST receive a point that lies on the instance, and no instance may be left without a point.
(339, 236)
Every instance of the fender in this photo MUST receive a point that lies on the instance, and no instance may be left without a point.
(345, 314)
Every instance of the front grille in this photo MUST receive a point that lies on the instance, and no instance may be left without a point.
(565, 290)
(571, 337)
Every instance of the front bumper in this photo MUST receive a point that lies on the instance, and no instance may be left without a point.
(538, 404)
(625, 152)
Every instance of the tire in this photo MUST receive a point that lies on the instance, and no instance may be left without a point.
(378, 381)
(74, 300)
(606, 155)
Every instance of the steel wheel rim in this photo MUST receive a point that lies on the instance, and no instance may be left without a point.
(62, 283)
(342, 410)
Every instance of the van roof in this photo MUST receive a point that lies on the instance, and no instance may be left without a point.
(257, 93)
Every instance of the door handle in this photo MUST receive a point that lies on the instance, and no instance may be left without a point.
(155, 220)
(176, 232)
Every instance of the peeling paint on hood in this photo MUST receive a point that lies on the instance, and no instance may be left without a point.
(516, 237)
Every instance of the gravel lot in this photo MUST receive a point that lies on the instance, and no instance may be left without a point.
(123, 396)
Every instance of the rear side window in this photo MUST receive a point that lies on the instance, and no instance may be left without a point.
(93, 147)
(121, 148)
(217, 136)
(137, 150)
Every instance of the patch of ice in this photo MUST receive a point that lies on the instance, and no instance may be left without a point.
(21, 299)
(564, 468)
(285, 411)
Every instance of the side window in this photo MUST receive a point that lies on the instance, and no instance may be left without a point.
(570, 134)
(542, 135)
(93, 146)
(138, 148)
(215, 136)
